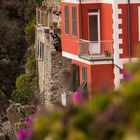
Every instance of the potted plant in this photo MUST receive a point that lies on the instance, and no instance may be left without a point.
(55, 24)
(107, 53)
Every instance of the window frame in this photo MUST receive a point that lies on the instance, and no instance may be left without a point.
(94, 12)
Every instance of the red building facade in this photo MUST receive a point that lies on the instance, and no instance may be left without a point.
(100, 36)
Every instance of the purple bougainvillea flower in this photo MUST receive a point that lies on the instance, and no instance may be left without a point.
(127, 76)
(30, 120)
(24, 134)
(77, 97)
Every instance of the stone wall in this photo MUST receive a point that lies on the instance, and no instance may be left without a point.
(57, 75)
(53, 70)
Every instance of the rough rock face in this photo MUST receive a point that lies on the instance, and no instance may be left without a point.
(13, 17)
(56, 77)
(60, 76)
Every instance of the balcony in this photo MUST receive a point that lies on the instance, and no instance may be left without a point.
(91, 50)
(47, 18)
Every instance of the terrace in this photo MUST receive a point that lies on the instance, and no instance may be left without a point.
(92, 50)
(48, 17)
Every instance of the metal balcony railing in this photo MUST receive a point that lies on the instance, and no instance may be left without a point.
(96, 50)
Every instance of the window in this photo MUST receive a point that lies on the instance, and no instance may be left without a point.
(41, 50)
(74, 24)
(38, 17)
(66, 19)
(94, 25)
(37, 49)
(42, 18)
(84, 74)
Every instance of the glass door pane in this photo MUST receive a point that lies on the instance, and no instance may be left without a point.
(93, 27)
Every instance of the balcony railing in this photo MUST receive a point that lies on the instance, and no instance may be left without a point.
(92, 50)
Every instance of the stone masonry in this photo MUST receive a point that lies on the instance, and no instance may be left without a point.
(54, 76)
(57, 76)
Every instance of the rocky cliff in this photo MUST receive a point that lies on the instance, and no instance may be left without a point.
(14, 15)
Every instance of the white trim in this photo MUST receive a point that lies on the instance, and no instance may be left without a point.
(120, 51)
(101, 1)
(88, 1)
(117, 42)
(126, 1)
(77, 58)
(120, 31)
(120, 21)
(93, 13)
(139, 22)
(126, 60)
(120, 39)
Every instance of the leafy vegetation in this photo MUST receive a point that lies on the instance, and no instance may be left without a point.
(39, 1)
(114, 116)
(31, 63)
(29, 27)
(23, 80)
(23, 95)
(26, 84)
(14, 15)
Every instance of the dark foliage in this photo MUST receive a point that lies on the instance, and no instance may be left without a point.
(14, 14)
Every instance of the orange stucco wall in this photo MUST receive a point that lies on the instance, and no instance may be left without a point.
(134, 29)
(102, 78)
(106, 21)
(99, 77)
(88, 67)
(70, 43)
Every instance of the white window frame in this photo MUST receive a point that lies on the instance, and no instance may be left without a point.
(98, 14)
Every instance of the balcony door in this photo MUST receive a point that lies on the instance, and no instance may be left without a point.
(94, 31)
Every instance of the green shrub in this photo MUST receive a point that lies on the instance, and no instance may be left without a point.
(23, 80)
(31, 63)
(26, 86)
(29, 27)
(23, 95)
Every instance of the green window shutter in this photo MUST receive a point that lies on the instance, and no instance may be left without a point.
(66, 19)
(74, 21)
(75, 77)
(84, 73)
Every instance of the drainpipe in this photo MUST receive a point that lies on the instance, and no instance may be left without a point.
(80, 19)
(129, 31)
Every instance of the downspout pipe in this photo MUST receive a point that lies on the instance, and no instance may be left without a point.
(81, 33)
(129, 31)
(80, 24)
